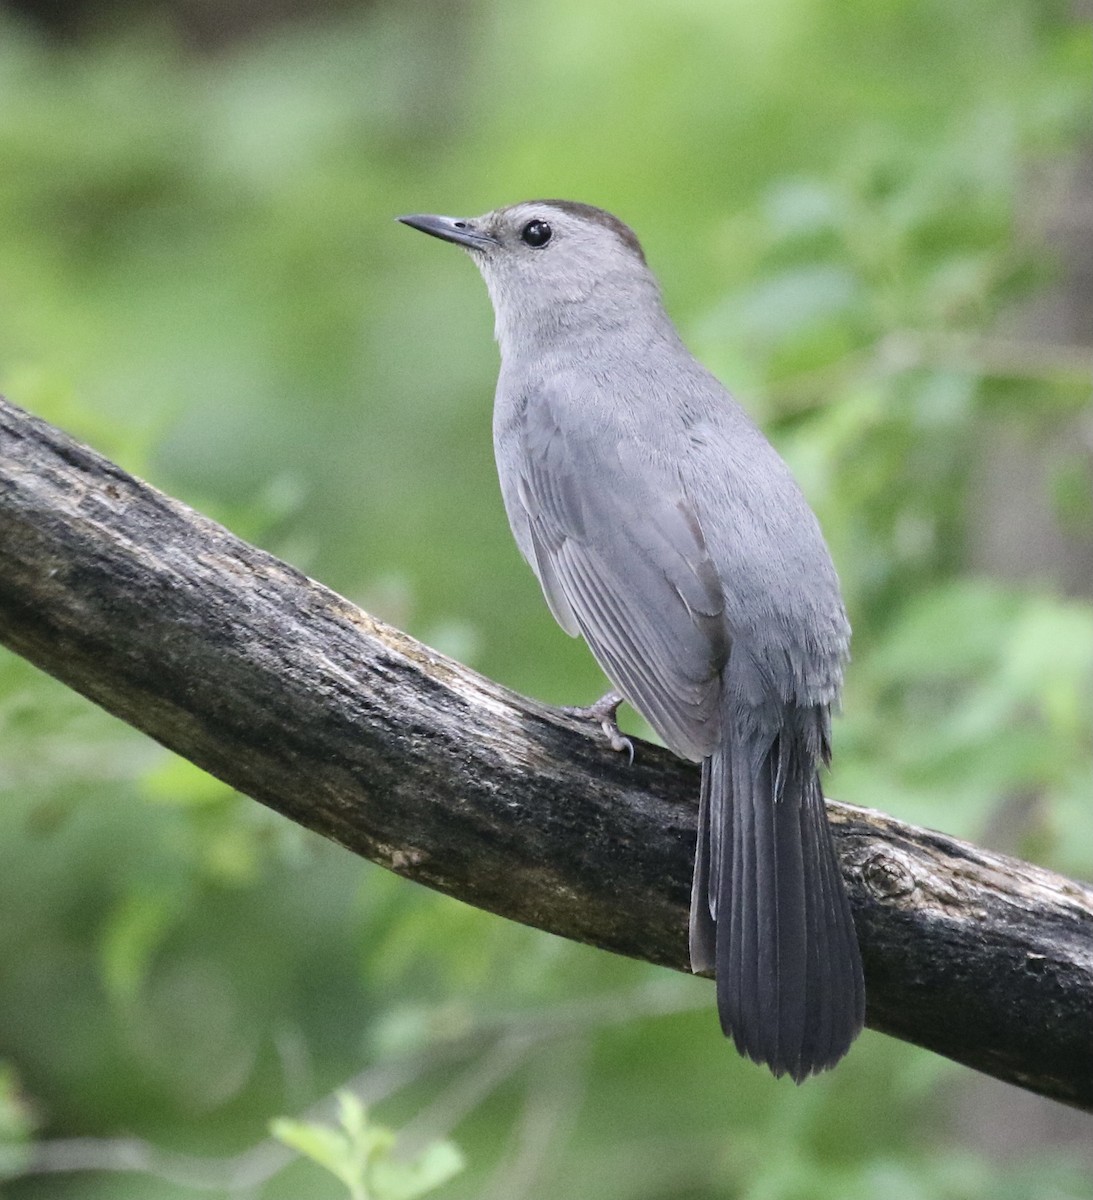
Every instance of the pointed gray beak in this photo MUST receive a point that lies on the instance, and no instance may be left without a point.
(450, 229)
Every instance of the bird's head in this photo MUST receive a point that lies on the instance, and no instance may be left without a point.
(552, 264)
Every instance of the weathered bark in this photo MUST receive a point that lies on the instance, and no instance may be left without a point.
(292, 695)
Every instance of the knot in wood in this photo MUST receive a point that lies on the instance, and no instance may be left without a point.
(887, 875)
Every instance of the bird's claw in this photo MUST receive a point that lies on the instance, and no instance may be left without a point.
(603, 713)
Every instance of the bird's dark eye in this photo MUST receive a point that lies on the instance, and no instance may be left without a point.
(536, 233)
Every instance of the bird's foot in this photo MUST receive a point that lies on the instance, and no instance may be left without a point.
(603, 713)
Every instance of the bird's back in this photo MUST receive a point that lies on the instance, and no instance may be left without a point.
(638, 431)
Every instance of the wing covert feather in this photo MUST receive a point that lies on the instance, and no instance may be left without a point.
(621, 559)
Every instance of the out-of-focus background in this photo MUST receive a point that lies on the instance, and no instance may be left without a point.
(873, 219)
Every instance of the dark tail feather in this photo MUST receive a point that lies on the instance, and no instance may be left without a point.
(769, 910)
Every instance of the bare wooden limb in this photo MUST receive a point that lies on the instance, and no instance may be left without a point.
(292, 695)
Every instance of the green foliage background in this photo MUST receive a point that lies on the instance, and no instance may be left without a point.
(199, 274)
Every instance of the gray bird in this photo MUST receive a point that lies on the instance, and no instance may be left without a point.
(667, 532)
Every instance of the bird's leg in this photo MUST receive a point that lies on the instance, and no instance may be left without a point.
(603, 713)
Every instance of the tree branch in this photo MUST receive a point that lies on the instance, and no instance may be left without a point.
(292, 695)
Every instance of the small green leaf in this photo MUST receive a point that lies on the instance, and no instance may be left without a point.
(327, 1147)
(392, 1180)
(352, 1115)
(360, 1154)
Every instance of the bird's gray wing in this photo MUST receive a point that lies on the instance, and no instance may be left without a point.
(620, 555)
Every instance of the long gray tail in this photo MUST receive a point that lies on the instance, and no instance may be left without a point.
(769, 912)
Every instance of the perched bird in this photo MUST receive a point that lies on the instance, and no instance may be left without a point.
(666, 531)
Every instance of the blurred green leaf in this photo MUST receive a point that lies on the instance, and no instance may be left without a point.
(17, 1125)
(360, 1154)
(130, 937)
